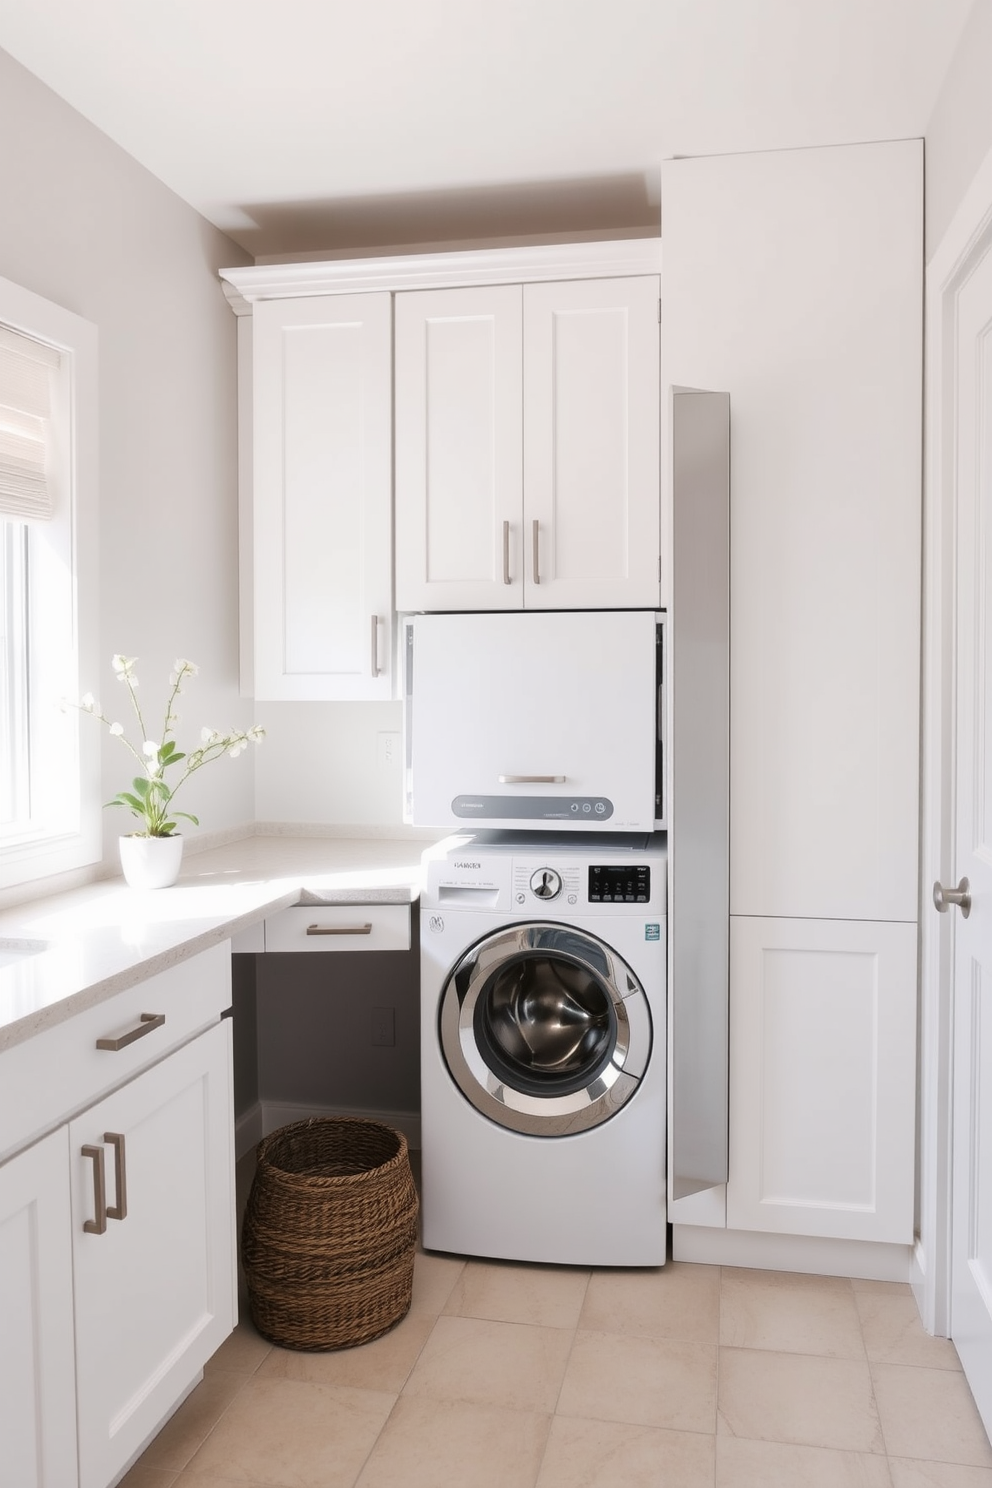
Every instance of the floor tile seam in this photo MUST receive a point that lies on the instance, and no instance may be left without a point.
(731, 1435)
(214, 1424)
(560, 1415)
(794, 1353)
(750, 1348)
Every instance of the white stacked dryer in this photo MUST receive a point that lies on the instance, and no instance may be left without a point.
(543, 1047)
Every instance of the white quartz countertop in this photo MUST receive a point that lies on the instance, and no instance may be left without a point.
(103, 938)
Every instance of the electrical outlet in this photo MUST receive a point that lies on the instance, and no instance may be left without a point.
(388, 750)
(383, 1027)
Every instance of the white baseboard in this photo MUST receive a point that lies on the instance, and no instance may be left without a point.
(267, 1116)
(813, 1256)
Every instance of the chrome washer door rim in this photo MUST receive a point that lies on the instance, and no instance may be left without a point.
(609, 1086)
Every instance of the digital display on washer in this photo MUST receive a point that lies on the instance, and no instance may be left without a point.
(624, 885)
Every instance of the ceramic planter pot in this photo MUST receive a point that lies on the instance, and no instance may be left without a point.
(151, 862)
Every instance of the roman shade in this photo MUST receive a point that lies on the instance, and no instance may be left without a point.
(28, 369)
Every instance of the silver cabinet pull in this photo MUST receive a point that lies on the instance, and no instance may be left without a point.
(339, 929)
(506, 552)
(375, 645)
(531, 779)
(147, 1023)
(536, 550)
(118, 1210)
(98, 1225)
(961, 896)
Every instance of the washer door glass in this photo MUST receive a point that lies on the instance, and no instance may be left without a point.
(536, 1029)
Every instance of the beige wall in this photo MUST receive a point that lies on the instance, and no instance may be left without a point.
(84, 225)
(959, 134)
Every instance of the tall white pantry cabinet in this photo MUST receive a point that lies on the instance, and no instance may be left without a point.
(794, 280)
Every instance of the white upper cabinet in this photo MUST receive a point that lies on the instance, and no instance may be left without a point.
(321, 537)
(527, 446)
(459, 454)
(591, 444)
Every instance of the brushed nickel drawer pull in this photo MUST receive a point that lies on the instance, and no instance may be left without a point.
(506, 552)
(148, 1022)
(97, 1226)
(339, 929)
(118, 1210)
(375, 645)
(537, 551)
(531, 779)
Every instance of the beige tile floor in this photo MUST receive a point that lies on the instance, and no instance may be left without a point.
(514, 1376)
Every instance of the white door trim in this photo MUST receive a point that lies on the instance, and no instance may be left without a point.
(965, 243)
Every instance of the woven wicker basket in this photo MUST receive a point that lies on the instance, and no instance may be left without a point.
(330, 1233)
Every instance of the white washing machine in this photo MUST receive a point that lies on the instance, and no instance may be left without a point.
(543, 1055)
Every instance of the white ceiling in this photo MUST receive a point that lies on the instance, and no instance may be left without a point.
(314, 124)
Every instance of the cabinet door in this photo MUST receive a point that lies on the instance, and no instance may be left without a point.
(322, 486)
(156, 1291)
(822, 1078)
(459, 536)
(37, 1374)
(591, 444)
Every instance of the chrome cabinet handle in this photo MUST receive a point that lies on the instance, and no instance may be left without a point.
(147, 1023)
(536, 550)
(98, 1225)
(375, 645)
(118, 1210)
(339, 929)
(531, 779)
(506, 552)
(961, 896)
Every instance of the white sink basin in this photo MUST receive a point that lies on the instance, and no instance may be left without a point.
(14, 950)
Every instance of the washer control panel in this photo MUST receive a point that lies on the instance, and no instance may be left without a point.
(627, 885)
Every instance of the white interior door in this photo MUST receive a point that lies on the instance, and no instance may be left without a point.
(971, 1266)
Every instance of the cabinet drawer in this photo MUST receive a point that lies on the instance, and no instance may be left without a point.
(340, 927)
(61, 1070)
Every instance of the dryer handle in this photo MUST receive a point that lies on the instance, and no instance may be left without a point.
(531, 779)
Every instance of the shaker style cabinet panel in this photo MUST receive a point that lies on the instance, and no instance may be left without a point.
(154, 1277)
(822, 1078)
(459, 478)
(591, 444)
(527, 446)
(321, 534)
(37, 1374)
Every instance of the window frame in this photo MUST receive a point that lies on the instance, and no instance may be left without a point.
(65, 832)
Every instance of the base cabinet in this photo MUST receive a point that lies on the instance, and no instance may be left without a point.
(155, 1291)
(37, 1372)
(117, 1244)
(822, 1078)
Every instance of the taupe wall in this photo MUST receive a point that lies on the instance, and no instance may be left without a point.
(86, 226)
(959, 134)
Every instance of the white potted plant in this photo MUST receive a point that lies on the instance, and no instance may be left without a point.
(151, 856)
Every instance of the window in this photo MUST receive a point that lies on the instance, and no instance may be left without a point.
(49, 767)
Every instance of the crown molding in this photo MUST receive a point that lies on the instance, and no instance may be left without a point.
(620, 258)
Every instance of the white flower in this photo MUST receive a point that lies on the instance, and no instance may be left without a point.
(182, 667)
(150, 747)
(116, 729)
(236, 749)
(123, 666)
(256, 733)
(88, 703)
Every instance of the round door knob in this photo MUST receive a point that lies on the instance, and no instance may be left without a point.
(961, 896)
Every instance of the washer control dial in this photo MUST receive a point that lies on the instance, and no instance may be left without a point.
(545, 883)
